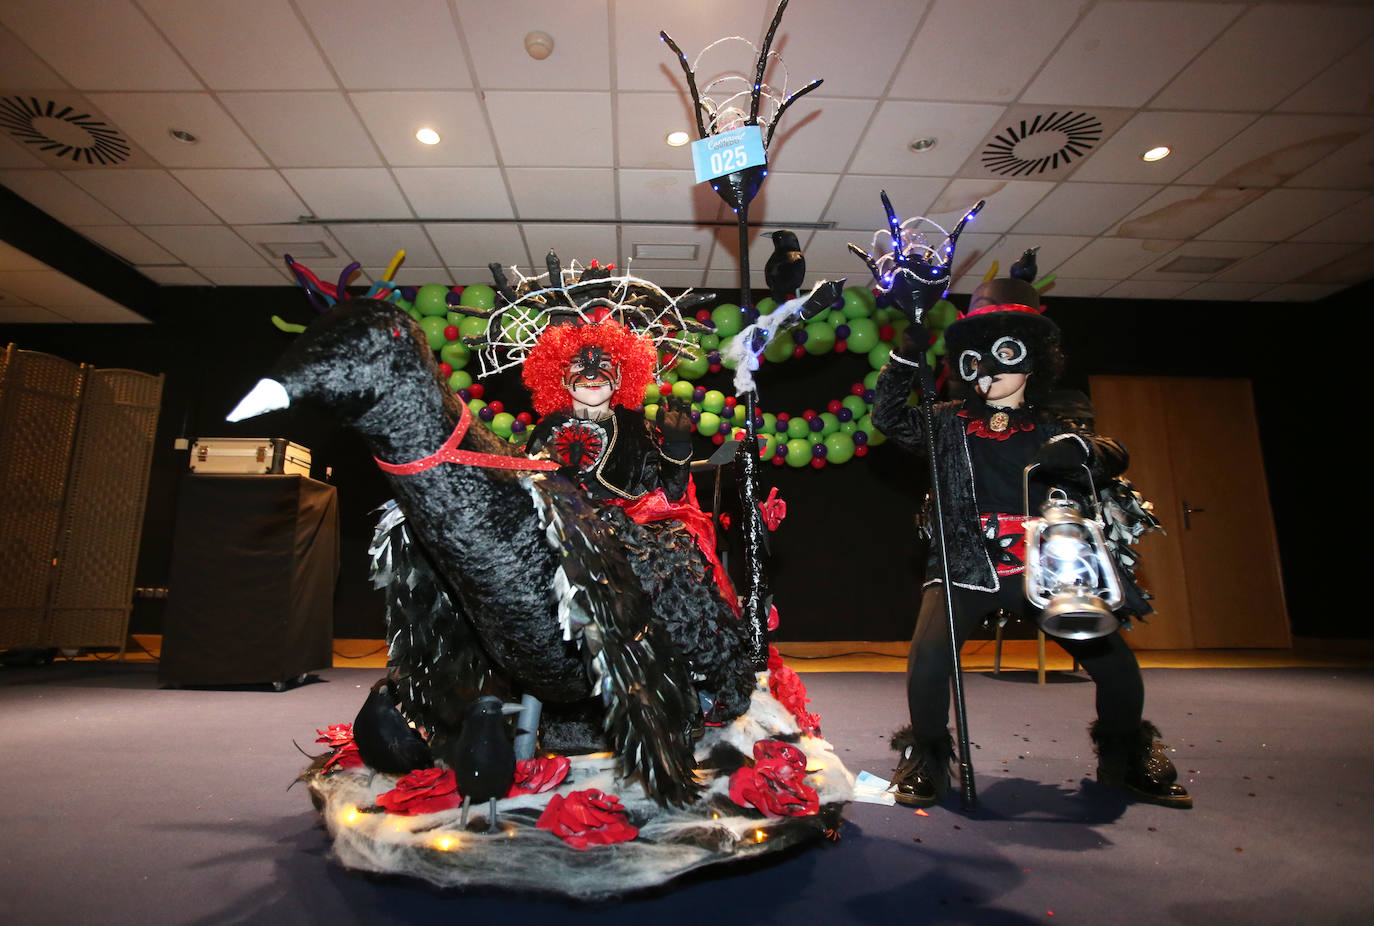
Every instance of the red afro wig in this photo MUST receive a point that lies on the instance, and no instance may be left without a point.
(547, 363)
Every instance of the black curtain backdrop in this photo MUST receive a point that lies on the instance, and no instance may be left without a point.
(846, 563)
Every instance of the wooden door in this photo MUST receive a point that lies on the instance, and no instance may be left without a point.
(1195, 453)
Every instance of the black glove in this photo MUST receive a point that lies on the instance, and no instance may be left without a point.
(674, 421)
(1063, 456)
(915, 342)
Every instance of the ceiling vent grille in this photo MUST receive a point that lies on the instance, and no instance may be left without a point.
(62, 131)
(1041, 143)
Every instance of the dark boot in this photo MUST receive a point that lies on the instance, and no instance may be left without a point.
(1134, 761)
(922, 775)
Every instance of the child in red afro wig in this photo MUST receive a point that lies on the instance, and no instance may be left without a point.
(546, 366)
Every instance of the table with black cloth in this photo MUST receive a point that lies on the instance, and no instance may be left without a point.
(254, 564)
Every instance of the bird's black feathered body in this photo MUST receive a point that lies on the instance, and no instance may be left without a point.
(786, 266)
(385, 740)
(483, 756)
(497, 547)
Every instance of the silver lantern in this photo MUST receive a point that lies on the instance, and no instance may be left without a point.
(1069, 572)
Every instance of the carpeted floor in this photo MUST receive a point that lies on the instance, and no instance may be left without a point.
(126, 803)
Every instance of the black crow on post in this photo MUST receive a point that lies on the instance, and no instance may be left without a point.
(786, 266)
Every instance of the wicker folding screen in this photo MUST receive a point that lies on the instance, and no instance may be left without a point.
(75, 454)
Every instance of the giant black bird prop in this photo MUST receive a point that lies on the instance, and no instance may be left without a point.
(502, 560)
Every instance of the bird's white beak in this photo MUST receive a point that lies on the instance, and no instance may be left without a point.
(267, 396)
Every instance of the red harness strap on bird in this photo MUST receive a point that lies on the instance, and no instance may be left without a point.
(449, 453)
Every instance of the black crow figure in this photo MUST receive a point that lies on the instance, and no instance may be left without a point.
(483, 758)
(785, 267)
(1024, 268)
(522, 587)
(386, 741)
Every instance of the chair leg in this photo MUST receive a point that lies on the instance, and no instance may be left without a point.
(1040, 656)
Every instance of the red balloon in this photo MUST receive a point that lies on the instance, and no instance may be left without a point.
(799, 352)
(665, 388)
(818, 462)
(841, 346)
(834, 406)
(477, 389)
(451, 333)
(446, 370)
(497, 407)
(860, 450)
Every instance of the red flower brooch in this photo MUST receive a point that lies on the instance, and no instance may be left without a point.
(775, 785)
(578, 444)
(425, 790)
(587, 818)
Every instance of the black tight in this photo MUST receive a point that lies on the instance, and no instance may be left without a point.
(1107, 660)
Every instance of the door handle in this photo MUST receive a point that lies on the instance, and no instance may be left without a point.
(1187, 515)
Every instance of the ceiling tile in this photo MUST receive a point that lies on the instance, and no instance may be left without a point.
(476, 245)
(828, 257)
(551, 129)
(700, 238)
(974, 251)
(142, 197)
(1114, 258)
(726, 253)
(98, 44)
(393, 118)
(580, 30)
(1294, 42)
(148, 118)
(856, 204)
(1348, 168)
(205, 246)
(244, 45)
(811, 32)
(58, 197)
(787, 198)
(1084, 208)
(645, 63)
(725, 283)
(455, 192)
(66, 130)
(1277, 215)
(244, 197)
(349, 193)
(1121, 54)
(409, 46)
(1285, 262)
(957, 129)
(416, 275)
(1214, 290)
(571, 193)
(1298, 292)
(129, 244)
(581, 243)
(1345, 270)
(667, 195)
(1042, 142)
(1147, 289)
(289, 237)
(643, 121)
(1220, 250)
(174, 276)
(24, 314)
(942, 65)
(20, 67)
(1055, 251)
(1182, 211)
(102, 315)
(376, 245)
(819, 134)
(13, 154)
(1275, 148)
(1329, 92)
(1006, 202)
(12, 258)
(1191, 136)
(304, 128)
(1074, 288)
(48, 287)
(248, 276)
(1354, 222)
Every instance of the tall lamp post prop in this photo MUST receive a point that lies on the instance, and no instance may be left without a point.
(912, 277)
(731, 152)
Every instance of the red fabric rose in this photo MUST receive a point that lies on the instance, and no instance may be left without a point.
(425, 790)
(338, 734)
(537, 775)
(776, 785)
(786, 686)
(587, 818)
(339, 737)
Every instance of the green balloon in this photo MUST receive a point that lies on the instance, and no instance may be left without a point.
(738, 415)
(798, 427)
(412, 311)
(940, 315)
(461, 379)
(651, 393)
(877, 357)
(871, 380)
(516, 323)
(858, 302)
(938, 348)
(682, 389)
(875, 437)
(836, 318)
(815, 437)
(476, 405)
(728, 319)
(839, 447)
(832, 424)
(899, 324)
(768, 446)
(478, 296)
(725, 359)
(455, 354)
(710, 341)
(799, 452)
(693, 366)
(766, 305)
(708, 424)
(770, 423)
(850, 426)
(670, 377)
(501, 422)
(714, 401)
(863, 335)
(651, 410)
(469, 327)
(780, 348)
(432, 299)
(856, 405)
(820, 338)
(433, 327)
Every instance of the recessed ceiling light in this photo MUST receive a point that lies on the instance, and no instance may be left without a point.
(427, 136)
(677, 139)
(1157, 154)
(922, 144)
(538, 45)
(183, 136)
